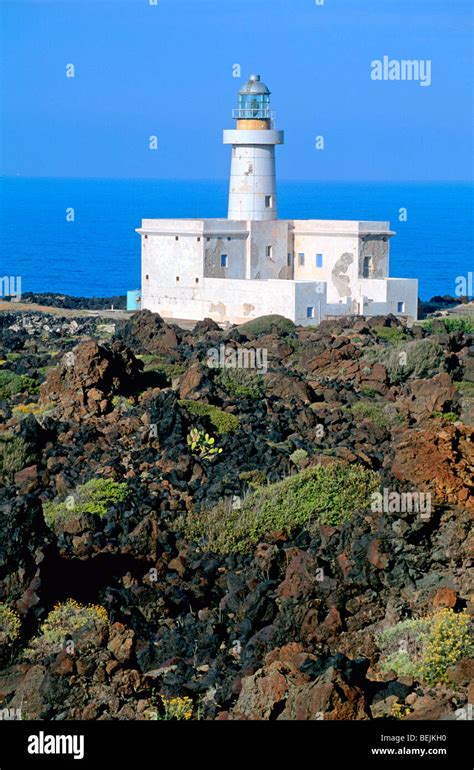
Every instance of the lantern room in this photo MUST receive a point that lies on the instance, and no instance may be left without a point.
(254, 101)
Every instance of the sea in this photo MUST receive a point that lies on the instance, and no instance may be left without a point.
(77, 236)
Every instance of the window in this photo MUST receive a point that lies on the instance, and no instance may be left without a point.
(224, 260)
(146, 237)
(319, 260)
(199, 238)
(147, 277)
(177, 279)
(310, 311)
(400, 307)
(269, 251)
(367, 267)
(229, 238)
(176, 237)
(208, 238)
(196, 280)
(268, 201)
(301, 259)
(288, 259)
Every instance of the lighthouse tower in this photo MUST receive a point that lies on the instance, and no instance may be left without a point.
(252, 191)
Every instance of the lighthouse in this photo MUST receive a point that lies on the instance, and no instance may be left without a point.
(253, 264)
(252, 189)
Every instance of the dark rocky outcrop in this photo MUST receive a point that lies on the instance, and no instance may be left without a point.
(288, 630)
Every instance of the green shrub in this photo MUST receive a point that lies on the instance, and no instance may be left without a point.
(253, 478)
(458, 324)
(402, 646)
(425, 648)
(384, 416)
(390, 333)
(324, 494)
(265, 324)
(298, 456)
(450, 639)
(122, 403)
(368, 392)
(447, 416)
(222, 421)
(9, 625)
(241, 383)
(66, 620)
(465, 388)
(415, 358)
(15, 454)
(11, 384)
(97, 496)
(154, 363)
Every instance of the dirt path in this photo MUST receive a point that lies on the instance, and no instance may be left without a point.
(116, 315)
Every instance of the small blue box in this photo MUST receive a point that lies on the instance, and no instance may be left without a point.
(134, 299)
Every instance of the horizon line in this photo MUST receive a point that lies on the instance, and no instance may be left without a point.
(225, 179)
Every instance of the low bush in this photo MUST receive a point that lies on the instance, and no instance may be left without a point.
(9, 625)
(15, 454)
(465, 388)
(298, 456)
(174, 709)
(384, 416)
(223, 422)
(323, 494)
(458, 324)
(97, 496)
(241, 383)
(390, 333)
(154, 363)
(447, 416)
(65, 621)
(11, 384)
(265, 324)
(415, 358)
(425, 648)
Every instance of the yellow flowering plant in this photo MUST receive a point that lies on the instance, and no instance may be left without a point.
(65, 620)
(175, 709)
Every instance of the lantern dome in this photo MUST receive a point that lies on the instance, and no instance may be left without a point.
(254, 100)
(254, 86)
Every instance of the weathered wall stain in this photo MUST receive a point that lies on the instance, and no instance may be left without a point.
(219, 308)
(339, 275)
(377, 248)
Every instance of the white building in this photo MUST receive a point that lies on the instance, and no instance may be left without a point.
(252, 263)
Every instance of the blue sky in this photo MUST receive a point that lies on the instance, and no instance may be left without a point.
(167, 70)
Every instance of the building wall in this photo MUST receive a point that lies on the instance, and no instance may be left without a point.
(339, 266)
(237, 301)
(343, 245)
(191, 250)
(381, 296)
(262, 235)
(172, 258)
(234, 247)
